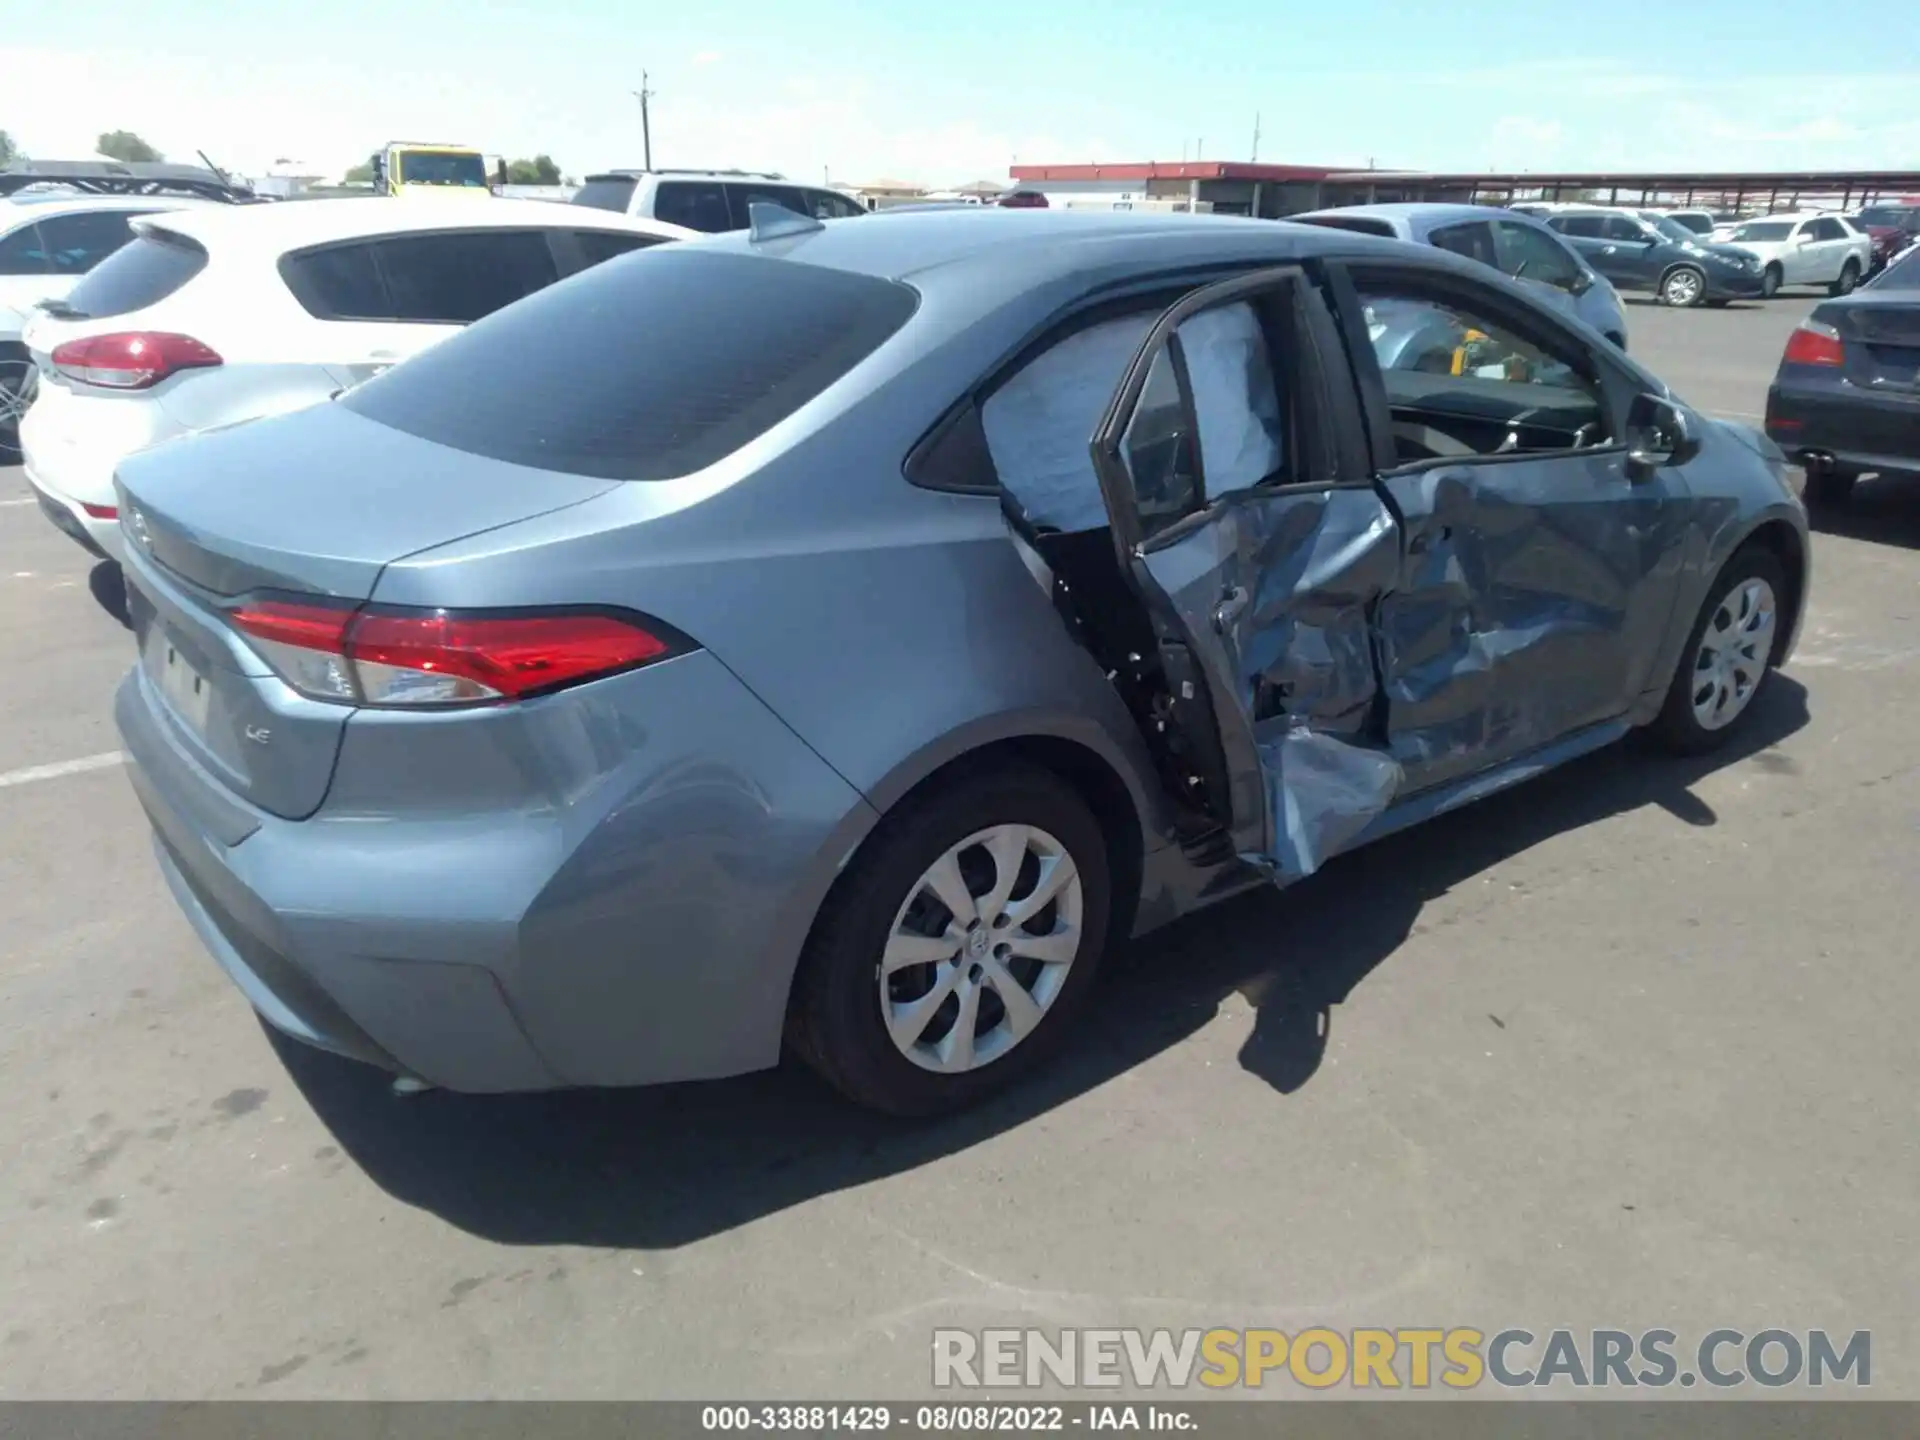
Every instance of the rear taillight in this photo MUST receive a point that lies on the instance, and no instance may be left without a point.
(131, 360)
(1815, 344)
(99, 512)
(387, 655)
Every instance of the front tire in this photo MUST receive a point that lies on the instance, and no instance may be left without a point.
(1849, 277)
(958, 947)
(1728, 656)
(1683, 287)
(1770, 280)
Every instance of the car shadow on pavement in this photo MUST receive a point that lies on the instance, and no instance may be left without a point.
(1883, 509)
(662, 1167)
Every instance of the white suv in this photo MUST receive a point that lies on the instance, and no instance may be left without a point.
(708, 200)
(1804, 249)
(222, 314)
(47, 242)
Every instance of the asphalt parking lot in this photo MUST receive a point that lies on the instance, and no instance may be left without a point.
(1629, 1047)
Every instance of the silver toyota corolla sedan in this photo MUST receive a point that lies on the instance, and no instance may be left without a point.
(843, 634)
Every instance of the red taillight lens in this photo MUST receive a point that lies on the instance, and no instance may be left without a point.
(1815, 344)
(392, 656)
(133, 360)
(99, 512)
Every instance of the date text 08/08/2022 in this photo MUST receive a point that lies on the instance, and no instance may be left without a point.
(943, 1419)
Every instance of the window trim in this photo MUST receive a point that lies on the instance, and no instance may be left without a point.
(1540, 328)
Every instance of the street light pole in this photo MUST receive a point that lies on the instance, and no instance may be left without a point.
(643, 94)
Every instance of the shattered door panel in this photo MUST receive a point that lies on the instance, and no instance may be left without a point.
(1276, 590)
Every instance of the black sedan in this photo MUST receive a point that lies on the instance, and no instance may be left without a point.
(1846, 399)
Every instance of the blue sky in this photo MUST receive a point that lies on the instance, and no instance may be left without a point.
(943, 94)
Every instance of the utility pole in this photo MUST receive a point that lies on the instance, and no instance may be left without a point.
(1256, 135)
(643, 94)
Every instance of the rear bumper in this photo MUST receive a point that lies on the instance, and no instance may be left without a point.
(1854, 428)
(98, 535)
(70, 447)
(634, 918)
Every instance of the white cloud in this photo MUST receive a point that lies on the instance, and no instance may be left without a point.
(707, 57)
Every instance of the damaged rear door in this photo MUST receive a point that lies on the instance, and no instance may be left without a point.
(1233, 465)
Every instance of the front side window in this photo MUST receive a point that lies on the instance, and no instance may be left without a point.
(697, 204)
(1762, 232)
(1527, 253)
(78, 242)
(22, 253)
(1622, 227)
(1462, 382)
(606, 192)
(746, 196)
(1828, 230)
(1585, 226)
(826, 205)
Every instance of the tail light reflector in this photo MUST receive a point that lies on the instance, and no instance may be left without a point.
(394, 656)
(99, 512)
(131, 360)
(1815, 344)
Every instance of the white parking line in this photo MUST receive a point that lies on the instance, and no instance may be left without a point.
(61, 767)
(29, 500)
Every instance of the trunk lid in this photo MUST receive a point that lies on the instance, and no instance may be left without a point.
(316, 503)
(1881, 332)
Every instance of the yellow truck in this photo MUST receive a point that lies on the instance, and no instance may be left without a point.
(418, 167)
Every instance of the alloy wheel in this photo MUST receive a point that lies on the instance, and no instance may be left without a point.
(1683, 288)
(1733, 655)
(981, 948)
(18, 382)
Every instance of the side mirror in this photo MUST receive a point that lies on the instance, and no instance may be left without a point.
(1659, 434)
(1580, 283)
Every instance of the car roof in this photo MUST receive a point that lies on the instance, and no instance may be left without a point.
(1022, 247)
(294, 224)
(765, 176)
(1422, 214)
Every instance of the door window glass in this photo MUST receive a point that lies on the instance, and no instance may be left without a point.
(744, 197)
(698, 205)
(1622, 227)
(78, 242)
(597, 246)
(1530, 254)
(340, 282)
(1474, 241)
(1040, 423)
(1461, 384)
(1585, 226)
(1159, 451)
(1828, 230)
(462, 276)
(826, 205)
(1235, 401)
(21, 253)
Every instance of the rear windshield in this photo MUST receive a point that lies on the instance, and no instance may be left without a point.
(137, 275)
(1902, 274)
(606, 192)
(646, 370)
(1697, 224)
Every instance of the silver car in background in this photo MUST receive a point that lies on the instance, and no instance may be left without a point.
(840, 634)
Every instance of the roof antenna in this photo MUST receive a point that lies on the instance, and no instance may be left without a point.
(767, 221)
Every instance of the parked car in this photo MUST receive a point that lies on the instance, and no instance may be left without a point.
(1700, 222)
(745, 642)
(221, 314)
(1515, 245)
(1845, 400)
(1023, 200)
(1660, 256)
(1892, 228)
(47, 242)
(710, 201)
(1804, 250)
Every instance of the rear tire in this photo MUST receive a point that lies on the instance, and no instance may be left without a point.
(1683, 287)
(16, 393)
(1728, 656)
(1849, 277)
(1770, 280)
(853, 1019)
(1827, 487)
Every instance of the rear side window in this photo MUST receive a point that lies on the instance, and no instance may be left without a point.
(1473, 241)
(646, 370)
(826, 205)
(597, 246)
(1623, 227)
(78, 242)
(696, 204)
(745, 196)
(457, 278)
(1359, 224)
(606, 192)
(141, 273)
(21, 252)
(452, 278)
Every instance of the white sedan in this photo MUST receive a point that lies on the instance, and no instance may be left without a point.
(218, 315)
(1824, 250)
